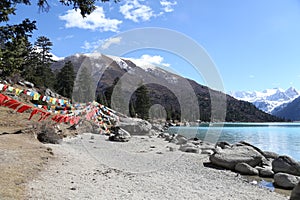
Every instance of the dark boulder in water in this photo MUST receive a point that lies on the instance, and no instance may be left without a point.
(286, 181)
(287, 165)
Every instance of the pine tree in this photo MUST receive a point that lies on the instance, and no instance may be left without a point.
(84, 90)
(65, 80)
(44, 74)
(142, 103)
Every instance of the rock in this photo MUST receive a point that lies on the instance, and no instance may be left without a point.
(207, 151)
(245, 169)
(223, 145)
(287, 165)
(296, 193)
(267, 162)
(272, 155)
(173, 140)
(229, 158)
(119, 135)
(163, 135)
(265, 172)
(47, 134)
(181, 139)
(154, 133)
(286, 181)
(171, 149)
(189, 148)
(135, 126)
(254, 147)
(158, 127)
(206, 146)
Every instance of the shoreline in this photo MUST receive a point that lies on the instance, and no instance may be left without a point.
(90, 167)
(230, 137)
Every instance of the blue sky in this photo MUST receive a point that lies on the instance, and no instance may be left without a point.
(254, 44)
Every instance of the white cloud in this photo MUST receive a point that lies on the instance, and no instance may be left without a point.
(135, 11)
(95, 21)
(90, 46)
(104, 44)
(65, 38)
(108, 42)
(156, 60)
(168, 5)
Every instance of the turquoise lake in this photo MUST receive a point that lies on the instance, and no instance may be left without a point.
(282, 138)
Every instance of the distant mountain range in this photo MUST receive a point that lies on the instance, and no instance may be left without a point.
(278, 102)
(165, 87)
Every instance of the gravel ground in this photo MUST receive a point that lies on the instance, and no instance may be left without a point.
(90, 167)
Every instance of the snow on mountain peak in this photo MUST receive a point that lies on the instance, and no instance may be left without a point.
(268, 99)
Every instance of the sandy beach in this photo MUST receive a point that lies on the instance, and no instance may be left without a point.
(91, 167)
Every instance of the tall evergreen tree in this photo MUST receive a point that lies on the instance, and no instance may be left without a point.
(14, 46)
(84, 90)
(142, 103)
(65, 80)
(44, 74)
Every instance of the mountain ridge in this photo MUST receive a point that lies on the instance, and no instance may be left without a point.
(164, 87)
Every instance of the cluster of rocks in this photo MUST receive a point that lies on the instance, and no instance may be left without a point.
(193, 145)
(245, 159)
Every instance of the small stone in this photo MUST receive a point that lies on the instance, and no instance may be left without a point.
(72, 188)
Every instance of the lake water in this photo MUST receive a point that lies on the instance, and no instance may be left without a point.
(282, 138)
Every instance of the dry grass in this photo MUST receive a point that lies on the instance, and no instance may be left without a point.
(22, 156)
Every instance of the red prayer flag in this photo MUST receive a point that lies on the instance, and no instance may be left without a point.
(3, 98)
(34, 112)
(10, 102)
(23, 108)
(15, 106)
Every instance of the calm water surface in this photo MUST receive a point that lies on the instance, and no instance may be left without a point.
(282, 138)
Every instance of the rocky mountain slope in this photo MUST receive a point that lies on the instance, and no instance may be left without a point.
(289, 111)
(169, 90)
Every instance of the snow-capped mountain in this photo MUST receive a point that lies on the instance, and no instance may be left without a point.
(269, 99)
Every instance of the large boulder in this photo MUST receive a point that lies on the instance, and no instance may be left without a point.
(296, 193)
(245, 169)
(230, 157)
(119, 135)
(48, 134)
(287, 165)
(135, 126)
(286, 181)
